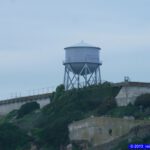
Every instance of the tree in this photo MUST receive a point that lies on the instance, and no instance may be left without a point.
(12, 138)
(143, 100)
(27, 108)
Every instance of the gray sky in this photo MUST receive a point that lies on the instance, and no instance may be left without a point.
(33, 34)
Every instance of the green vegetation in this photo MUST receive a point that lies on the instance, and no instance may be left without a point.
(27, 108)
(124, 111)
(130, 110)
(48, 127)
(13, 138)
(143, 100)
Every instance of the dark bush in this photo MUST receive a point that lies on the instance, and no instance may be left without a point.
(12, 138)
(106, 105)
(125, 111)
(143, 100)
(59, 91)
(27, 108)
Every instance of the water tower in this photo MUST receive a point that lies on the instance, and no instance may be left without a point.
(82, 66)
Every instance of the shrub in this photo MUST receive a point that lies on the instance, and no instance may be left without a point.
(59, 91)
(106, 105)
(125, 111)
(12, 138)
(143, 100)
(27, 108)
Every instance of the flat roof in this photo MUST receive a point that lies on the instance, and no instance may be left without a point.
(140, 84)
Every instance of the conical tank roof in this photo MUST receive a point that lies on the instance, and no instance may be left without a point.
(82, 44)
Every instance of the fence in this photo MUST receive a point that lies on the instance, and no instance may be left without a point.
(29, 93)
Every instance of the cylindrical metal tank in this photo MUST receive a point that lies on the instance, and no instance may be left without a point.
(80, 54)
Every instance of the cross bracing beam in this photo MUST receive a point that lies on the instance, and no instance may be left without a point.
(85, 77)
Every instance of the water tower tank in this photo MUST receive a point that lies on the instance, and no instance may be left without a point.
(82, 60)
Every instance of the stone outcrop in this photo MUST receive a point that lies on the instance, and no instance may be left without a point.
(102, 130)
(139, 132)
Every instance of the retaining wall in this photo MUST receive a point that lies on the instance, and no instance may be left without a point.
(7, 106)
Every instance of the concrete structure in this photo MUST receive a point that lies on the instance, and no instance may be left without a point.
(82, 66)
(7, 106)
(101, 130)
(130, 91)
(128, 94)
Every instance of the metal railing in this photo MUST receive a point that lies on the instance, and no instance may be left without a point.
(27, 93)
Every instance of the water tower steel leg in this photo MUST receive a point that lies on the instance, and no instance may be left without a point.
(68, 80)
(99, 74)
(78, 81)
(65, 77)
(74, 78)
(95, 77)
(85, 76)
(89, 80)
(70, 67)
(100, 78)
(71, 80)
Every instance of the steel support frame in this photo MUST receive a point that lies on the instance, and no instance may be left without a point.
(72, 80)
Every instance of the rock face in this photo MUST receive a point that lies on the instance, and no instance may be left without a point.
(101, 130)
(33, 147)
(140, 132)
(130, 91)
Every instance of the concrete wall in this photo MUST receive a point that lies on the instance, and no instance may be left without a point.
(128, 94)
(96, 130)
(7, 106)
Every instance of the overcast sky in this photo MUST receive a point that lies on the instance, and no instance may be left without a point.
(33, 34)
